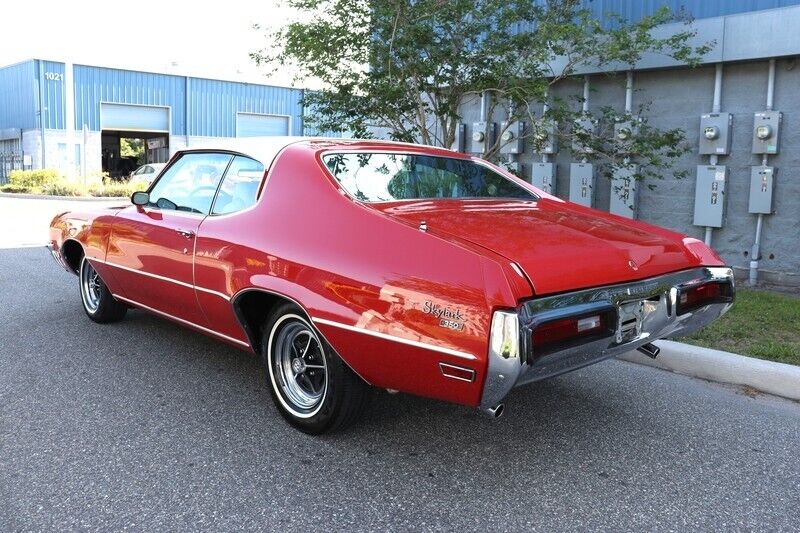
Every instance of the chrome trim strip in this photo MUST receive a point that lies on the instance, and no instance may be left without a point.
(163, 278)
(182, 321)
(417, 344)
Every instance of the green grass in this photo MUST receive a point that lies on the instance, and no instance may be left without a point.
(761, 324)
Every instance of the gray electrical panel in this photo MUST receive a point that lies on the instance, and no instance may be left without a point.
(624, 198)
(479, 137)
(715, 133)
(515, 167)
(543, 176)
(459, 143)
(544, 137)
(585, 126)
(766, 132)
(512, 140)
(709, 196)
(581, 183)
(625, 133)
(762, 190)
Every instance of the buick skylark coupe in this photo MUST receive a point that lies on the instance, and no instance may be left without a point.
(353, 264)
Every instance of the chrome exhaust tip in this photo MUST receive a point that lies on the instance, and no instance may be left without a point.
(650, 350)
(496, 411)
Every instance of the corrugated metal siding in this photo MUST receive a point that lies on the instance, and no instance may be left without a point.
(213, 105)
(95, 84)
(18, 96)
(634, 10)
(51, 76)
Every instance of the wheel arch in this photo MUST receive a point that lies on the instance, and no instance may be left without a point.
(253, 305)
(72, 252)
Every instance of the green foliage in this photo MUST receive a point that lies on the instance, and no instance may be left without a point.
(760, 324)
(33, 179)
(132, 148)
(413, 66)
(119, 189)
(64, 188)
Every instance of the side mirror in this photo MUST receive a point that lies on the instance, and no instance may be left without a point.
(140, 198)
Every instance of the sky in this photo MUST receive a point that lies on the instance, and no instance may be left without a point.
(198, 38)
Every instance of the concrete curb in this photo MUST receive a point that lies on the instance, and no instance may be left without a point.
(28, 196)
(723, 367)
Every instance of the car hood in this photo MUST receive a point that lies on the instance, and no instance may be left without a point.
(560, 246)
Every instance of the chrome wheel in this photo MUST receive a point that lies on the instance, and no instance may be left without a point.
(91, 287)
(297, 366)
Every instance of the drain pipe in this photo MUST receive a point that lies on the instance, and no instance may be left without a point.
(755, 252)
(716, 107)
(585, 108)
(545, 109)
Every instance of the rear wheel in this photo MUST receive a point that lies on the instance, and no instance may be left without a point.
(98, 302)
(313, 389)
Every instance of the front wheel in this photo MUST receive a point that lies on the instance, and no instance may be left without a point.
(98, 302)
(313, 389)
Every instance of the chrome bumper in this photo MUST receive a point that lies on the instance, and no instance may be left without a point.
(58, 257)
(655, 303)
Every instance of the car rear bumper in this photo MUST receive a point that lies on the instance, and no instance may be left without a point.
(652, 306)
(56, 253)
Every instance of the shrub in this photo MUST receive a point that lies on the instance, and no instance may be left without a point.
(13, 188)
(64, 188)
(118, 189)
(33, 180)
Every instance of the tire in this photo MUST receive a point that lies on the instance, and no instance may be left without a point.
(98, 302)
(313, 389)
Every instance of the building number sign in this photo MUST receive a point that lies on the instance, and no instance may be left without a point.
(54, 76)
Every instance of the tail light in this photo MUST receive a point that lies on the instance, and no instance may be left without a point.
(696, 296)
(565, 332)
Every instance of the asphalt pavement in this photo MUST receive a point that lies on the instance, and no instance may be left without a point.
(146, 426)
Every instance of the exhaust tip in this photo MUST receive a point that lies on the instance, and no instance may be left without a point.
(496, 411)
(650, 350)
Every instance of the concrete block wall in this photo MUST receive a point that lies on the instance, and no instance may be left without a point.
(677, 98)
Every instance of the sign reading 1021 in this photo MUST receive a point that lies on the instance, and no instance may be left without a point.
(54, 76)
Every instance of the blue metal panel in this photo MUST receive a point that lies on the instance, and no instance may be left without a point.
(51, 78)
(213, 105)
(94, 85)
(252, 125)
(19, 96)
(634, 10)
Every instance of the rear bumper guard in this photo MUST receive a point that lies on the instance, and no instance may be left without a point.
(647, 310)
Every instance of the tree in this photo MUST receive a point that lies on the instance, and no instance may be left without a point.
(412, 66)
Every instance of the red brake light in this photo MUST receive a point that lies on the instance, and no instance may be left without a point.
(700, 295)
(560, 333)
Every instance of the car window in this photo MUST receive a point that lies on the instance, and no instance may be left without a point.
(139, 170)
(377, 177)
(190, 183)
(148, 170)
(239, 188)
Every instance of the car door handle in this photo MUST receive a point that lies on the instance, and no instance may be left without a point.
(186, 233)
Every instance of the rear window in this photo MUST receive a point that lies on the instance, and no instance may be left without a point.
(378, 177)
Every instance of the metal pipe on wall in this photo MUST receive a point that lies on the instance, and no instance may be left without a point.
(545, 109)
(629, 92)
(755, 252)
(586, 90)
(716, 107)
(41, 112)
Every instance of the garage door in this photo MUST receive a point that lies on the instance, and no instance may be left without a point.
(134, 117)
(254, 125)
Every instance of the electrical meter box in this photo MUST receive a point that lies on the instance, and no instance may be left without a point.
(543, 176)
(625, 133)
(624, 198)
(766, 132)
(715, 133)
(480, 139)
(709, 196)
(762, 190)
(586, 126)
(459, 143)
(581, 183)
(544, 137)
(511, 142)
(515, 167)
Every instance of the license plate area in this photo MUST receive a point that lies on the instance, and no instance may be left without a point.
(629, 321)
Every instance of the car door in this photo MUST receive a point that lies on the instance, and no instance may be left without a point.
(223, 257)
(152, 247)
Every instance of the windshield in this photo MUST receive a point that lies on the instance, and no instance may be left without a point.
(377, 177)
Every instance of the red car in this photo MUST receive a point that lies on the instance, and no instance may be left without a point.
(347, 264)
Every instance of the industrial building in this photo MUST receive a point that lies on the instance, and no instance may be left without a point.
(739, 110)
(72, 117)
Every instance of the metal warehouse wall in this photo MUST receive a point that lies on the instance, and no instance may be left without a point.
(213, 105)
(51, 78)
(94, 85)
(633, 10)
(18, 96)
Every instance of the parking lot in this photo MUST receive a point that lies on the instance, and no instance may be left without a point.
(145, 425)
